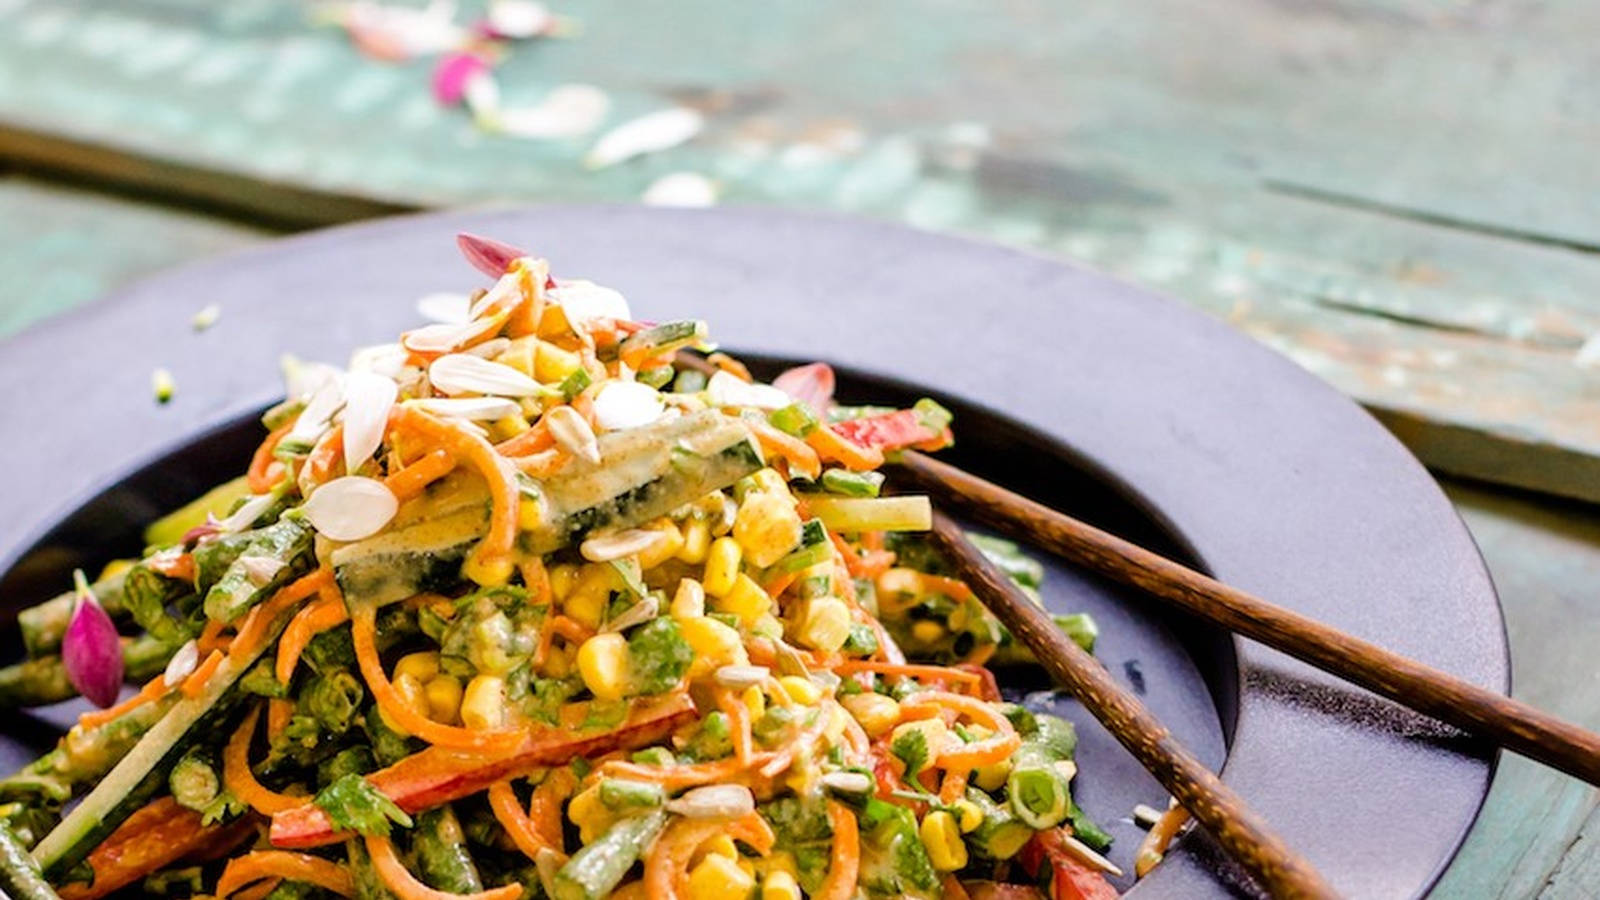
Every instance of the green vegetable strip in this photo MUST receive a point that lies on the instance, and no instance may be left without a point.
(852, 484)
(1038, 789)
(43, 625)
(19, 876)
(1001, 835)
(441, 851)
(796, 419)
(622, 795)
(42, 681)
(597, 869)
(288, 542)
(365, 876)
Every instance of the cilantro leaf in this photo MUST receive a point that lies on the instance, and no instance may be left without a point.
(911, 748)
(353, 804)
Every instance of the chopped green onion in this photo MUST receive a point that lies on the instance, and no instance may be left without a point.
(656, 377)
(573, 384)
(932, 416)
(814, 548)
(622, 794)
(1081, 627)
(852, 484)
(162, 384)
(654, 756)
(796, 419)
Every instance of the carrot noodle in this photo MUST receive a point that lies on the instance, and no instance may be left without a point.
(257, 625)
(537, 580)
(155, 836)
(544, 808)
(666, 874)
(319, 615)
(840, 884)
(327, 454)
(258, 891)
(496, 547)
(279, 712)
(730, 365)
(953, 889)
(153, 690)
(954, 786)
(392, 872)
(211, 635)
(964, 757)
(264, 470)
(909, 670)
(514, 819)
(410, 481)
(574, 631)
(241, 782)
(739, 715)
(777, 443)
(195, 684)
(302, 867)
(363, 633)
(536, 438)
(954, 588)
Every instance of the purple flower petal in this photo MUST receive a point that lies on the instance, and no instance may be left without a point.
(91, 649)
(487, 255)
(451, 75)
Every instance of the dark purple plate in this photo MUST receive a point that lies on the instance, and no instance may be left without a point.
(1092, 395)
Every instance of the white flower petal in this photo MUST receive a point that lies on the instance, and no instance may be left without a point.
(388, 360)
(463, 373)
(478, 408)
(503, 295)
(246, 515)
(368, 400)
(482, 94)
(714, 801)
(729, 390)
(351, 508)
(302, 379)
(319, 410)
(519, 18)
(683, 189)
(584, 300)
(627, 404)
(568, 111)
(182, 664)
(650, 133)
(445, 307)
(441, 338)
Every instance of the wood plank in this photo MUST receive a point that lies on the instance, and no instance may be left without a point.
(1380, 188)
(62, 248)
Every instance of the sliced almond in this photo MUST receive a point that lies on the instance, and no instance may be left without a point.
(368, 400)
(182, 664)
(638, 614)
(463, 373)
(573, 434)
(619, 544)
(246, 515)
(318, 412)
(740, 677)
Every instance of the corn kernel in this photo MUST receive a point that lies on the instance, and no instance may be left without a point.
(689, 601)
(780, 886)
(590, 815)
(940, 834)
(992, 778)
(779, 862)
(899, 581)
(800, 690)
(714, 643)
(767, 528)
(487, 572)
(520, 355)
(755, 701)
(968, 815)
(936, 735)
(483, 703)
(411, 693)
(876, 713)
(720, 845)
(116, 567)
(586, 604)
(696, 541)
(603, 663)
(563, 578)
(507, 427)
(720, 878)
(926, 631)
(444, 694)
(551, 364)
(826, 624)
(767, 626)
(530, 515)
(722, 566)
(559, 663)
(664, 549)
(745, 599)
(421, 666)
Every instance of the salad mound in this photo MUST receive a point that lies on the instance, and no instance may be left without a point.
(545, 601)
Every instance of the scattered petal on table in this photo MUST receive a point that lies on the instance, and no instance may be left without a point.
(682, 189)
(650, 133)
(452, 75)
(571, 110)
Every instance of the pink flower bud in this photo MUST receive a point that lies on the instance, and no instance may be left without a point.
(91, 649)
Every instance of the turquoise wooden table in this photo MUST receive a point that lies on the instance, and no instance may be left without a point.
(1394, 193)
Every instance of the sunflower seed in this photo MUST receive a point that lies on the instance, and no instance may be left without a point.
(741, 677)
(573, 433)
(715, 801)
(182, 664)
(644, 611)
(619, 544)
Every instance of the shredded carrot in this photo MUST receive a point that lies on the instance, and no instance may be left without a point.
(495, 549)
(544, 807)
(909, 670)
(852, 560)
(302, 867)
(153, 690)
(258, 891)
(279, 711)
(514, 819)
(533, 440)
(537, 579)
(799, 454)
(253, 631)
(173, 565)
(845, 866)
(730, 365)
(666, 875)
(739, 714)
(241, 782)
(325, 455)
(364, 634)
(392, 872)
(831, 446)
(633, 890)
(574, 631)
(954, 588)
(954, 786)
(319, 615)
(780, 583)
(211, 635)
(410, 481)
(195, 684)
(964, 757)
(801, 744)
(264, 470)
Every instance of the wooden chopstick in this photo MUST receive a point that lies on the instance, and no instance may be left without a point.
(1243, 833)
(1477, 711)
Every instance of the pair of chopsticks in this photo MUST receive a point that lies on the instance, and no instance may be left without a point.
(1482, 713)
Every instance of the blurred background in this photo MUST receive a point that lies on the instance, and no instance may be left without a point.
(1397, 194)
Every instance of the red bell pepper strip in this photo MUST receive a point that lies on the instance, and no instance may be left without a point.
(1070, 879)
(892, 431)
(439, 775)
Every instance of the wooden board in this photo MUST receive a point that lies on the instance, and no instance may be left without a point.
(1383, 189)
